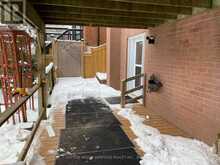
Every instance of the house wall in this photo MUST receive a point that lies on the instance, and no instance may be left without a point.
(94, 35)
(113, 45)
(186, 58)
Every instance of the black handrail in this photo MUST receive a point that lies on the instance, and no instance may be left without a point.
(69, 34)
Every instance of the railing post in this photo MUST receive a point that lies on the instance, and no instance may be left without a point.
(217, 145)
(144, 89)
(123, 89)
(52, 80)
(44, 98)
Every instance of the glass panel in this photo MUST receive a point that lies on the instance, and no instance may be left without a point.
(137, 71)
(139, 47)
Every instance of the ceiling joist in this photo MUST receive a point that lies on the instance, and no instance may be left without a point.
(103, 18)
(44, 10)
(175, 3)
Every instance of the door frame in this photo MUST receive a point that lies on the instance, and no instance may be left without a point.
(131, 56)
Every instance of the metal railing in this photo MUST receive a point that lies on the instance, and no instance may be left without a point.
(8, 113)
(125, 91)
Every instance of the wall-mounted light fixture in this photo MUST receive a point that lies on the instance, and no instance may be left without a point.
(151, 39)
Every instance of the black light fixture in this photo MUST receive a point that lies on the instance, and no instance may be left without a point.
(151, 39)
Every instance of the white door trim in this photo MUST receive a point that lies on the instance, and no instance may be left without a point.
(132, 56)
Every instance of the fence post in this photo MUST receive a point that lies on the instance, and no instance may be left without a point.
(123, 89)
(144, 89)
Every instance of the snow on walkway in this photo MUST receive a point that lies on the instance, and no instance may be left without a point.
(77, 87)
(161, 149)
(12, 141)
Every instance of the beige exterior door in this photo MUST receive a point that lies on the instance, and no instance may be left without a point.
(136, 47)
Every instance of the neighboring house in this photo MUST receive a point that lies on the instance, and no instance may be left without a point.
(94, 36)
(184, 60)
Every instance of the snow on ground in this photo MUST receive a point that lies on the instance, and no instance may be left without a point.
(77, 87)
(101, 76)
(1, 101)
(161, 149)
(48, 68)
(12, 141)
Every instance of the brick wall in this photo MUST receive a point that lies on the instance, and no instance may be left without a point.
(186, 58)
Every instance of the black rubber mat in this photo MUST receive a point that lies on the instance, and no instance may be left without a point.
(90, 120)
(118, 157)
(117, 100)
(94, 139)
(87, 101)
(93, 136)
(87, 106)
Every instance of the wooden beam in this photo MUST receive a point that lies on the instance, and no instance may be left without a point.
(133, 89)
(116, 6)
(32, 16)
(44, 10)
(134, 77)
(183, 3)
(101, 24)
(102, 19)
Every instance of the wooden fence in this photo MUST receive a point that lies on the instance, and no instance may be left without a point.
(94, 61)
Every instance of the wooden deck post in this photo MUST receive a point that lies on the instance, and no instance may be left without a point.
(144, 89)
(42, 94)
(123, 89)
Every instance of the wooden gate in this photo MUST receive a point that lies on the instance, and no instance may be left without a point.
(67, 58)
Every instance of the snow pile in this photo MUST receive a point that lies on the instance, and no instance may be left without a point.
(101, 76)
(48, 68)
(76, 87)
(1, 96)
(12, 141)
(2, 108)
(163, 149)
